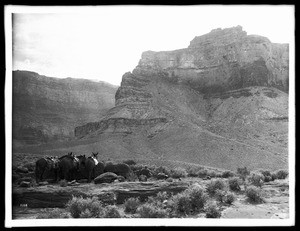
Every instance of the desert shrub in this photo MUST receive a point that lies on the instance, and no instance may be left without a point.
(182, 204)
(220, 194)
(234, 184)
(243, 172)
(111, 211)
(78, 205)
(253, 194)
(224, 197)
(86, 214)
(282, 174)
(55, 213)
(198, 197)
(202, 173)
(212, 211)
(214, 185)
(178, 172)
(131, 205)
(211, 173)
(162, 196)
(150, 211)
(132, 177)
(228, 174)
(162, 169)
(256, 179)
(63, 183)
(229, 198)
(129, 162)
(192, 171)
(268, 178)
(274, 176)
(265, 172)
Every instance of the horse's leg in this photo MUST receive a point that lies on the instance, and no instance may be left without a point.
(42, 172)
(89, 176)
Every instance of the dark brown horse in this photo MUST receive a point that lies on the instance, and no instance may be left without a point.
(44, 164)
(93, 166)
(69, 165)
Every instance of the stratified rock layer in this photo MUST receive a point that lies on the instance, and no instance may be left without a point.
(46, 109)
(224, 60)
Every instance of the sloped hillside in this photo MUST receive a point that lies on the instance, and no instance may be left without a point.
(47, 109)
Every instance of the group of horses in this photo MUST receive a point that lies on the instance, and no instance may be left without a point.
(68, 166)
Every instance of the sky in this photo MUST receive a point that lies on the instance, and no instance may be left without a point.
(104, 42)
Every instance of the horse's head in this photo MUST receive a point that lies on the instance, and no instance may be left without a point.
(95, 155)
(55, 161)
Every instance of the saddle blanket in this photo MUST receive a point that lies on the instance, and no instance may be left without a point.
(96, 161)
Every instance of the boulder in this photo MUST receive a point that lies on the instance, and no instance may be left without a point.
(25, 184)
(169, 179)
(107, 177)
(43, 183)
(121, 178)
(22, 170)
(26, 179)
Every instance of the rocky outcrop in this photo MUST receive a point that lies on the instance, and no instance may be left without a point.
(46, 108)
(224, 60)
(51, 196)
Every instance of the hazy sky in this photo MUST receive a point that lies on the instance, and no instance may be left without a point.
(104, 42)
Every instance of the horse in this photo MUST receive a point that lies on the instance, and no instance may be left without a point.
(46, 164)
(93, 166)
(70, 164)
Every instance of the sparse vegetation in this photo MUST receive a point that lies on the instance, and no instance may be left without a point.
(162, 169)
(214, 185)
(212, 211)
(111, 211)
(281, 174)
(85, 207)
(228, 174)
(243, 173)
(55, 213)
(256, 179)
(178, 172)
(254, 194)
(193, 171)
(202, 173)
(150, 211)
(229, 198)
(234, 184)
(198, 197)
(131, 205)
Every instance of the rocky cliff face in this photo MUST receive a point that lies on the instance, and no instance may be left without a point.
(221, 102)
(47, 108)
(224, 60)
